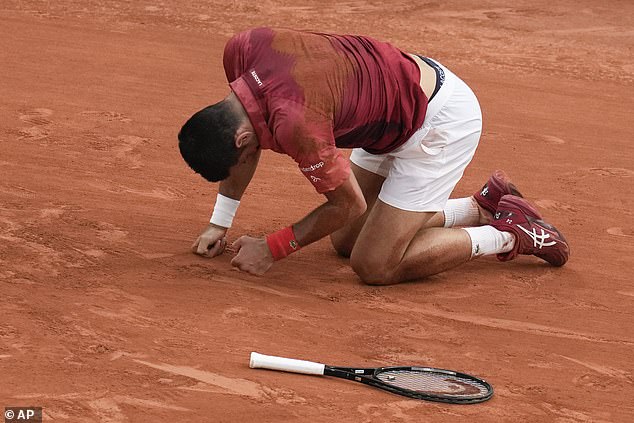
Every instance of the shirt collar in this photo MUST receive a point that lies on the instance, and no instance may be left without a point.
(242, 90)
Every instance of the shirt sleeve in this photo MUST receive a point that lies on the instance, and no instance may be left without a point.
(233, 58)
(308, 138)
(244, 48)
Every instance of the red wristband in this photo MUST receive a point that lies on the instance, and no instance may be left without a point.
(282, 243)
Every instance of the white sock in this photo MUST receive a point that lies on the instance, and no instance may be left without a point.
(461, 212)
(486, 240)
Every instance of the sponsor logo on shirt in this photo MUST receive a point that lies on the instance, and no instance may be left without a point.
(314, 178)
(257, 78)
(312, 168)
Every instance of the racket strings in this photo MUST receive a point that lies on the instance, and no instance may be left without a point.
(434, 383)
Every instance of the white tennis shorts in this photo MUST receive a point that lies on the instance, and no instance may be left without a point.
(422, 173)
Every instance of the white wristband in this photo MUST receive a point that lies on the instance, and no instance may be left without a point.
(224, 211)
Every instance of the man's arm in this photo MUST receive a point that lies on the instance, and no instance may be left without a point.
(345, 203)
(240, 177)
(212, 241)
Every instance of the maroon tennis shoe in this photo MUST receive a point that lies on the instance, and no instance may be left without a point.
(533, 236)
(498, 185)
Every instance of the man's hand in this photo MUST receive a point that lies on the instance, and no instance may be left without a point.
(211, 242)
(253, 255)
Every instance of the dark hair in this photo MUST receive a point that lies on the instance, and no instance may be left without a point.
(206, 141)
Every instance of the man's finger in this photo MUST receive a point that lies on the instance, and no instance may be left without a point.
(203, 247)
(235, 262)
(237, 244)
(218, 248)
(215, 249)
(195, 244)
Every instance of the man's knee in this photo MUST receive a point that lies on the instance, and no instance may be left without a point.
(371, 272)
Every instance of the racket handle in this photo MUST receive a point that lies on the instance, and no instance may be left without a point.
(261, 361)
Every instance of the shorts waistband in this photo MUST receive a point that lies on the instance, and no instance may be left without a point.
(440, 74)
(443, 90)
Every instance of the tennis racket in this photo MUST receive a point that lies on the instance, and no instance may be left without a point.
(423, 383)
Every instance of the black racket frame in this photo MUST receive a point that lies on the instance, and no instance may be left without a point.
(368, 376)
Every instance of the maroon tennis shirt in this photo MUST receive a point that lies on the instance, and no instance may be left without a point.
(308, 94)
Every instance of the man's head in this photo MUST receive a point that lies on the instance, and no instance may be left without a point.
(216, 138)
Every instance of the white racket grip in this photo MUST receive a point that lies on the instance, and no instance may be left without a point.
(261, 361)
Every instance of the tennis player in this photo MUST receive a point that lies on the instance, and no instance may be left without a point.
(413, 127)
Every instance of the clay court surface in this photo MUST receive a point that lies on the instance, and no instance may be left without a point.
(106, 316)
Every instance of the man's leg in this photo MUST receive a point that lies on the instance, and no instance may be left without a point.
(393, 248)
(344, 239)
(458, 212)
(370, 183)
(397, 245)
(508, 226)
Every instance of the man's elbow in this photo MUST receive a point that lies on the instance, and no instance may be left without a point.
(349, 200)
(357, 209)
